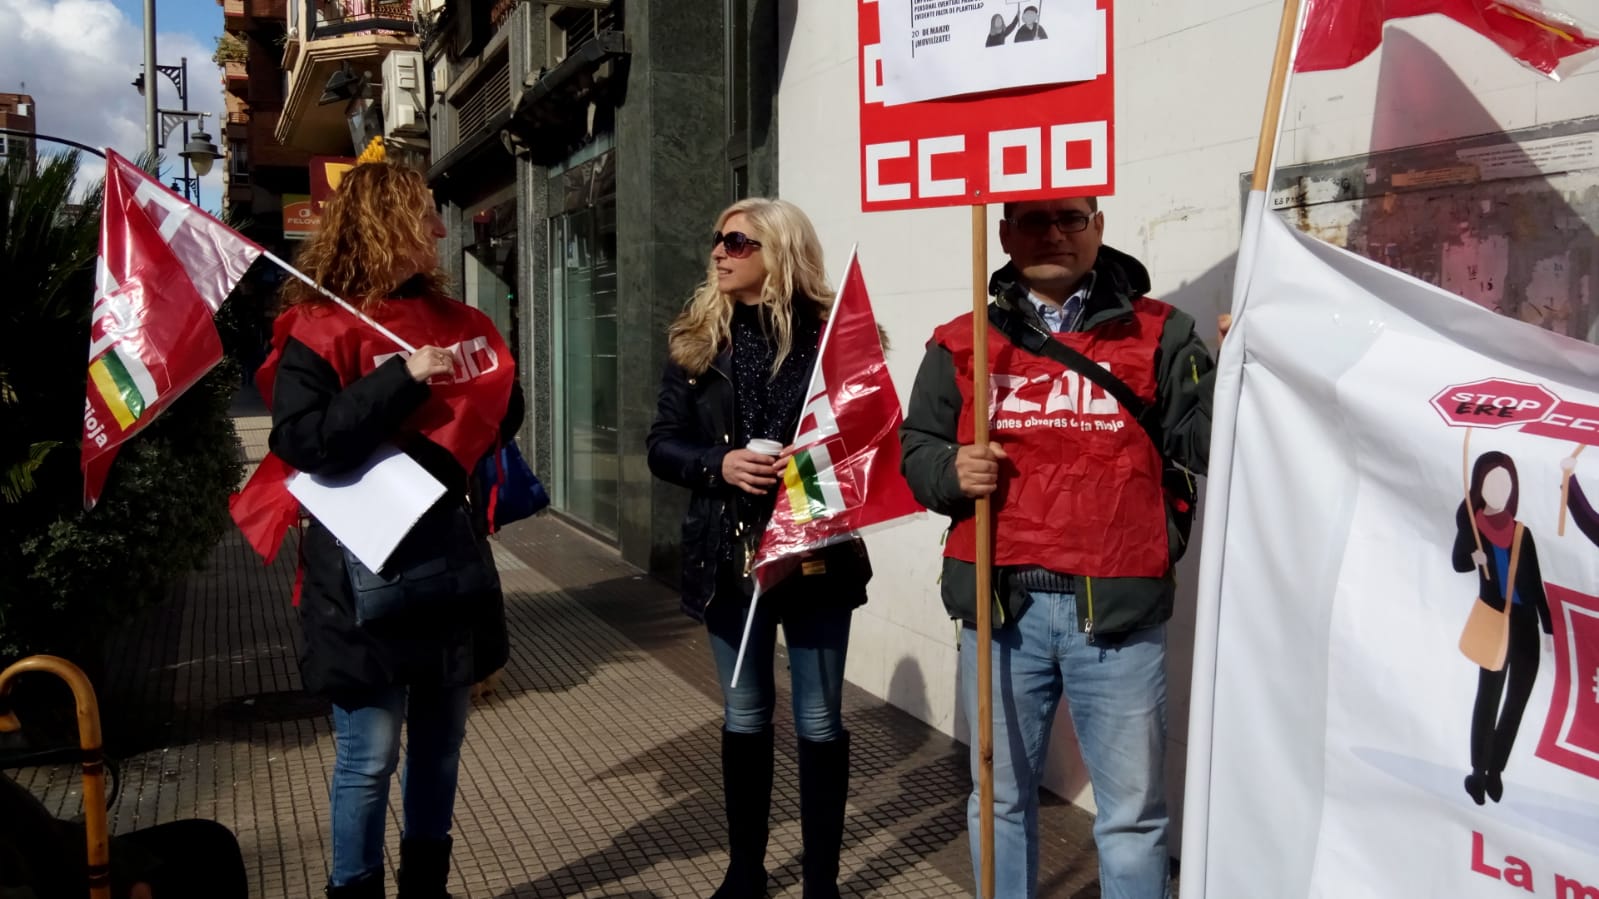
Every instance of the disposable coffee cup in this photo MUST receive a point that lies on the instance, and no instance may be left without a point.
(765, 447)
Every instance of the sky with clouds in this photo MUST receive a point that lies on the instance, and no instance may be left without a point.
(78, 59)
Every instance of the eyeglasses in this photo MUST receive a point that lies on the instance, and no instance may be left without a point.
(738, 244)
(1038, 223)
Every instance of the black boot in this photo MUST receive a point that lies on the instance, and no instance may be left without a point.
(1494, 784)
(424, 868)
(747, 793)
(824, 787)
(369, 887)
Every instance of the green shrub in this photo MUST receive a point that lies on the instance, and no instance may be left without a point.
(68, 577)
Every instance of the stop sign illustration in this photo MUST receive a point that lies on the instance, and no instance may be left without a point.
(1494, 403)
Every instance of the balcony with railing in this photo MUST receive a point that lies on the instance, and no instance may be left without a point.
(236, 75)
(324, 35)
(236, 125)
(241, 15)
(332, 18)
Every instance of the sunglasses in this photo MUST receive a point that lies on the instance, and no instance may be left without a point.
(1037, 224)
(738, 244)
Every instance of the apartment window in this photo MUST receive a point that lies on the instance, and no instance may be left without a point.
(570, 28)
(239, 162)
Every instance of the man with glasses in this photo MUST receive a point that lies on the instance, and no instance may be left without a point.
(1090, 483)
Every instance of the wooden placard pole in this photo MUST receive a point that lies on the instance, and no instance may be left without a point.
(985, 538)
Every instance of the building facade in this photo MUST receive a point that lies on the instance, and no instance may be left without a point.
(258, 171)
(18, 113)
(585, 149)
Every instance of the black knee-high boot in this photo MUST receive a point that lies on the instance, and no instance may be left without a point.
(424, 868)
(747, 795)
(824, 788)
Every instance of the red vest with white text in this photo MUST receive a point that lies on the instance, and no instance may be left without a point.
(1081, 491)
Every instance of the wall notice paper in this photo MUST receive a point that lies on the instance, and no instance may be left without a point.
(1384, 723)
(946, 48)
(373, 507)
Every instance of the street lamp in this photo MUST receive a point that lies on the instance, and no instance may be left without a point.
(200, 153)
(198, 150)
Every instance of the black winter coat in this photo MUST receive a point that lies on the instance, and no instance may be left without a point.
(320, 428)
(693, 430)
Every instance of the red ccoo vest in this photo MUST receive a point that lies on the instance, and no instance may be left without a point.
(1081, 492)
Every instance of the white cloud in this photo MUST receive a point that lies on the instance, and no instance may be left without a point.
(78, 59)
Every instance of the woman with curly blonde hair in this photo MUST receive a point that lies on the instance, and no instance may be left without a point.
(340, 390)
(742, 353)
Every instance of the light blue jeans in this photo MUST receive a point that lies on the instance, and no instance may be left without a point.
(367, 750)
(1117, 698)
(818, 639)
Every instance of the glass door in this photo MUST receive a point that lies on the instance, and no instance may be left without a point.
(582, 268)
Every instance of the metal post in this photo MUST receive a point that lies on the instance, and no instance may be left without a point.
(191, 188)
(152, 76)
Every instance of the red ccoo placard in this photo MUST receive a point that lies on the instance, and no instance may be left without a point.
(1026, 144)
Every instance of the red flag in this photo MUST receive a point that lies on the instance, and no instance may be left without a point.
(844, 473)
(1340, 33)
(164, 268)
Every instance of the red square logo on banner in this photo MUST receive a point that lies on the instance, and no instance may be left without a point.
(1571, 731)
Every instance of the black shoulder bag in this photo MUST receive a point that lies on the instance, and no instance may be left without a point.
(1176, 483)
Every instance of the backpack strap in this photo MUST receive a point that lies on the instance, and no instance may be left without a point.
(1039, 342)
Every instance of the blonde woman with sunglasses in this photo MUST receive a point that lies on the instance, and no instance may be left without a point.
(741, 354)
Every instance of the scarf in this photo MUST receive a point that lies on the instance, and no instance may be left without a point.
(1498, 528)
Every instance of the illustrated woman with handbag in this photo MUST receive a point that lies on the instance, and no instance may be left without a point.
(1500, 636)
(742, 353)
(407, 642)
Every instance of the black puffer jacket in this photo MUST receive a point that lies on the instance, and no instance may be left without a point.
(319, 428)
(694, 429)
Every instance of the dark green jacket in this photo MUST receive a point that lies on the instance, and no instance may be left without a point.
(1107, 607)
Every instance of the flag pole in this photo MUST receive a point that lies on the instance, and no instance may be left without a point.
(985, 599)
(821, 347)
(1276, 91)
(342, 304)
(1229, 383)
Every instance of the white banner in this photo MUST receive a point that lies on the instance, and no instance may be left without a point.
(1364, 739)
(945, 48)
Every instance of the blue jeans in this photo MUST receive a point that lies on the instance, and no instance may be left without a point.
(818, 636)
(1117, 699)
(367, 743)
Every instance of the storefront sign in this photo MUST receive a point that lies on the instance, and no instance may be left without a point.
(300, 217)
(326, 173)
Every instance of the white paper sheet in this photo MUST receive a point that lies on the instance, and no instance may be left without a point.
(373, 507)
(947, 48)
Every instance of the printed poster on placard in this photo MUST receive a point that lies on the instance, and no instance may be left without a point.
(946, 48)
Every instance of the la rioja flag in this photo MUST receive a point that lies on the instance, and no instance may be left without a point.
(164, 269)
(843, 474)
